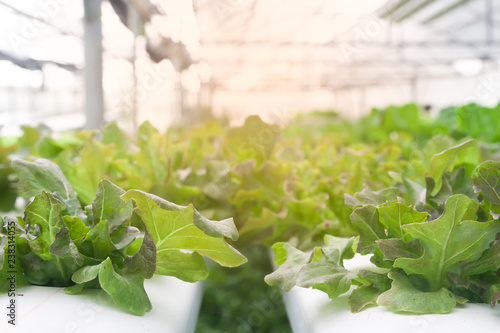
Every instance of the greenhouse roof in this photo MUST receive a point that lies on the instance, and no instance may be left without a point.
(268, 44)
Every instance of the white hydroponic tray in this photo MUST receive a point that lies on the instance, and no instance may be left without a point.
(48, 309)
(311, 311)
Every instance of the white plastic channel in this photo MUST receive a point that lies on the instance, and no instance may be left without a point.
(48, 309)
(311, 311)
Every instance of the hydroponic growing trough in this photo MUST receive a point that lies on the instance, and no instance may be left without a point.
(311, 311)
(49, 309)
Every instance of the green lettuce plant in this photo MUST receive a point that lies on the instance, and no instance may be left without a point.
(115, 243)
(430, 255)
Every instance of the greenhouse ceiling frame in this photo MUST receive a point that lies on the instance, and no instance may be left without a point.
(397, 14)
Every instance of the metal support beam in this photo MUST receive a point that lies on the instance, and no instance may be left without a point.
(179, 92)
(446, 10)
(414, 89)
(94, 96)
(490, 22)
(133, 20)
(415, 10)
(394, 8)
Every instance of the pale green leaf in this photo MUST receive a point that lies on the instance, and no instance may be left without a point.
(448, 240)
(404, 297)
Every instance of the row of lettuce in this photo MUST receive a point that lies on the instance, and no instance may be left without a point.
(432, 235)
(432, 247)
(283, 185)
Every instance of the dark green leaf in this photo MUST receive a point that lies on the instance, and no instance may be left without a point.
(487, 181)
(489, 261)
(100, 241)
(144, 260)
(404, 297)
(108, 205)
(63, 246)
(394, 248)
(366, 220)
(45, 212)
(126, 291)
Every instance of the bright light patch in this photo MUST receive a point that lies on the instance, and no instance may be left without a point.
(468, 67)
